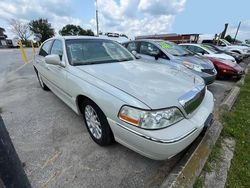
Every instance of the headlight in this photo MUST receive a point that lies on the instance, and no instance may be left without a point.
(192, 66)
(156, 119)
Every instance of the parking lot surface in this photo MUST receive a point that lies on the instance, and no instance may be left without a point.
(53, 142)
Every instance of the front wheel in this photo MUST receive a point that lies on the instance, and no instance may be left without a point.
(97, 123)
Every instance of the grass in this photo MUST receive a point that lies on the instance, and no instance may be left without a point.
(214, 157)
(199, 182)
(237, 125)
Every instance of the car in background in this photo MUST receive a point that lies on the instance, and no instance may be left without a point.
(236, 56)
(207, 51)
(245, 44)
(165, 52)
(227, 69)
(153, 109)
(227, 46)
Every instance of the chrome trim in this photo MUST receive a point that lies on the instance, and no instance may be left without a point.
(192, 99)
(156, 139)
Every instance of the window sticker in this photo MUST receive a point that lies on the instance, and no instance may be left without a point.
(165, 45)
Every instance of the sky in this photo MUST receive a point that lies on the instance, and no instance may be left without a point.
(134, 17)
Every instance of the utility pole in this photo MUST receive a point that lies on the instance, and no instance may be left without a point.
(237, 32)
(97, 23)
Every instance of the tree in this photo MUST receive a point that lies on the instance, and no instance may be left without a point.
(71, 29)
(229, 39)
(43, 28)
(21, 29)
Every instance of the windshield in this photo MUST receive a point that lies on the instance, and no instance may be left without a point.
(95, 51)
(210, 48)
(226, 42)
(173, 49)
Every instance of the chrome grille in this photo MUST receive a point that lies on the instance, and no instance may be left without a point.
(192, 99)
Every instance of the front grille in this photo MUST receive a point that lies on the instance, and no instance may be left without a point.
(208, 71)
(192, 99)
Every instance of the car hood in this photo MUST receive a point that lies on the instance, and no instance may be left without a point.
(222, 56)
(232, 64)
(239, 47)
(156, 85)
(195, 59)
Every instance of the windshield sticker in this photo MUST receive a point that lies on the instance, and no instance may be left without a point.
(204, 46)
(165, 45)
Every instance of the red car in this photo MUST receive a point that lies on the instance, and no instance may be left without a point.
(227, 68)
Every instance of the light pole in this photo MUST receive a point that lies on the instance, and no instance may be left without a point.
(96, 16)
(237, 32)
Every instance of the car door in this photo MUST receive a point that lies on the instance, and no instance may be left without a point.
(148, 51)
(40, 59)
(58, 73)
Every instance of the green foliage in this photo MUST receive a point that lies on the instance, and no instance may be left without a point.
(75, 30)
(43, 28)
(199, 182)
(229, 38)
(237, 125)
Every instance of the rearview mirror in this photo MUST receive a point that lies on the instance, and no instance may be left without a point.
(53, 59)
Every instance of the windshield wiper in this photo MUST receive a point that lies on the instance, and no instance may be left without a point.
(121, 60)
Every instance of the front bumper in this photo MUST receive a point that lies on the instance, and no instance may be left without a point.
(208, 78)
(164, 143)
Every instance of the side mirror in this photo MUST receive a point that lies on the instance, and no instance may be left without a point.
(53, 59)
(135, 54)
(156, 54)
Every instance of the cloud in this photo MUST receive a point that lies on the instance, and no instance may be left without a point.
(137, 17)
(160, 7)
(244, 31)
(56, 11)
(132, 17)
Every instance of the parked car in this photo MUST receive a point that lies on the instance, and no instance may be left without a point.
(237, 57)
(227, 69)
(207, 51)
(166, 52)
(153, 109)
(227, 46)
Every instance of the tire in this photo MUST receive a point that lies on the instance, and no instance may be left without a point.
(40, 80)
(97, 123)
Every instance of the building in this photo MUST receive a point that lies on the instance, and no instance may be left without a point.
(3, 37)
(173, 37)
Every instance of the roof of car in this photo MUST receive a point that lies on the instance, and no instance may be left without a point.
(193, 44)
(79, 37)
(149, 40)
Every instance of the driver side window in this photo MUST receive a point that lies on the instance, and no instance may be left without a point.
(148, 49)
(57, 48)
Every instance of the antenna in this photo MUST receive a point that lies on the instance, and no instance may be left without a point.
(97, 23)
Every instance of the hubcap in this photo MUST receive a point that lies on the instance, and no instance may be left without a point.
(93, 122)
(40, 79)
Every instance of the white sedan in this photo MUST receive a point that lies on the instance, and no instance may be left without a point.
(207, 51)
(153, 109)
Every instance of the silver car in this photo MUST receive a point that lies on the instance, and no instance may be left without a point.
(160, 51)
(153, 109)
